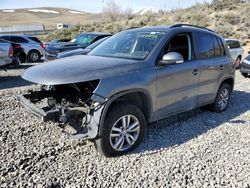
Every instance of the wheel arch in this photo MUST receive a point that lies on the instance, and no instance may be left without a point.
(228, 80)
(139, 97)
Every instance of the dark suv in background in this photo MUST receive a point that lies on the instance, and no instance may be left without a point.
(82, 41)
(134, 78)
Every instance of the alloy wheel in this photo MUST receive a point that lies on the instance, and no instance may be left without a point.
(124, 133)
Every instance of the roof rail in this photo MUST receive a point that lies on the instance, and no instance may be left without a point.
(190, 25)
(128, 28)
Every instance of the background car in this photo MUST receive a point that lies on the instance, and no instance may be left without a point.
(245, 66)
(235, 50)
(6, 53)
(9, 53)
(81, 51)
(82, 41)
(33, 48)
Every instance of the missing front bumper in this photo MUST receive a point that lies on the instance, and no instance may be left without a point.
(51, 115)
(91, 123)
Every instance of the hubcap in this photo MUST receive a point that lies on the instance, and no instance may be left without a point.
(223, 99)
(124, 132)
(34, 56)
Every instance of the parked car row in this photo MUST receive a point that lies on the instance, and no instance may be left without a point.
(82, 41)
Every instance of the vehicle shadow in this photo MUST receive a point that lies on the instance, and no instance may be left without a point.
(176, 130)
(8, 82)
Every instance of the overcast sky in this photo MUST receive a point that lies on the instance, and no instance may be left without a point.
(96, 5)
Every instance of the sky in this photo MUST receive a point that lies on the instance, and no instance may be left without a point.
(97, 5)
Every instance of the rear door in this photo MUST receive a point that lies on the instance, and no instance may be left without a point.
(212, 59)
(177, 84)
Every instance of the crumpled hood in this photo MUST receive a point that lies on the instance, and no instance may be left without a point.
(78, 69)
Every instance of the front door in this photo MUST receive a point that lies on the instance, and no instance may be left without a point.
(177, 84)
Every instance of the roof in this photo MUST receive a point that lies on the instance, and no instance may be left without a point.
(96, 33)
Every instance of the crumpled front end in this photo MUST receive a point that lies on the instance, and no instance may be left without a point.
(73, 104)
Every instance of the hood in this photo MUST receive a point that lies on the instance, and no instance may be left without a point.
(78, 69)
(78, 51)
(63, 44)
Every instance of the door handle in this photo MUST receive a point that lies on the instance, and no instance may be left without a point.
(195, 72)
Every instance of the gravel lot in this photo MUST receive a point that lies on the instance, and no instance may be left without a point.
(194, 149)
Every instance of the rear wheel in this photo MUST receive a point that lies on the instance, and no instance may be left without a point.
(34, 56)
(222, 98)
(123, 130)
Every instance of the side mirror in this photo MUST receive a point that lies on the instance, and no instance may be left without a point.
(228, 47)
(171, 58)
(248, 52)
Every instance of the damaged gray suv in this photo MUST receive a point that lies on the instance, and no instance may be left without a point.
(134, 78)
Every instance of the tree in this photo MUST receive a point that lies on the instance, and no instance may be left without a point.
(111, 10)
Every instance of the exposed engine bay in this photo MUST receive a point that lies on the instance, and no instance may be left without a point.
(67, 103)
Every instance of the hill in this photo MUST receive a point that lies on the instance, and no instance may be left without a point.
(47, 16)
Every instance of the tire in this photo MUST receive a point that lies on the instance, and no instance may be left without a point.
(16, 62)
(118, 144)
(245, 75)
(34, 56)
(22, 57)
(238, 60)
(220, 104)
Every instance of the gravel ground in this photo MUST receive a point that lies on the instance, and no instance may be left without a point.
(194, 149)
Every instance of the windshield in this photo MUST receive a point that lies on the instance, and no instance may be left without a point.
(135, 45)
(85, 39)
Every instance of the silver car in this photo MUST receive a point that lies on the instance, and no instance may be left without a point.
(6, 53)
(132, 79)
(33, 48)
(235, 50)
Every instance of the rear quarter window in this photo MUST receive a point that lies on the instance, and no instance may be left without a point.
(218, 47)
(34, 39)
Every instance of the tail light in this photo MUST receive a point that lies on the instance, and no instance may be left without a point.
(18, 46)
(10, 52)
(43, 45)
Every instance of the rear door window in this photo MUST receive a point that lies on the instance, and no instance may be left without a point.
(206, 46)
(18, 39)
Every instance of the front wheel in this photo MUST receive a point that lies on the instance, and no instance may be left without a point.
(222, 98)
(123, 130)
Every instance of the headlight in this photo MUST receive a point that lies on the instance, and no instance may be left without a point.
(246, 61)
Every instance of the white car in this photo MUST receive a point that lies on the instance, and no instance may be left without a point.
(33, 48)
(236, 50)
(6, 53)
